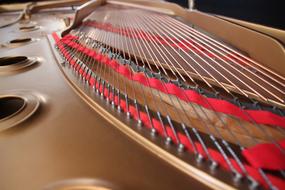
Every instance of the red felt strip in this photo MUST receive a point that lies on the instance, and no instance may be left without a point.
(266, 156)
(222, 106)
(215, 154)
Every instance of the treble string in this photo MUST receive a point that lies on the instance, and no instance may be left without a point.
(233, 53)
(212, 48)
(221, 66)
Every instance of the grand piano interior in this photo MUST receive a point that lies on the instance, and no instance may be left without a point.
(109, 94)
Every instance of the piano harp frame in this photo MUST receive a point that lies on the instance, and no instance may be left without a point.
(237, 35)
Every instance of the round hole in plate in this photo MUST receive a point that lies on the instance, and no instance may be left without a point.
(20, 40)
(6, 61)
(10, 106)
(16, 107)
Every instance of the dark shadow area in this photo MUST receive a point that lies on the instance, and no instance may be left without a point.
(264, 12)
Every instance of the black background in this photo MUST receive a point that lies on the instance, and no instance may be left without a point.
(265, 12)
